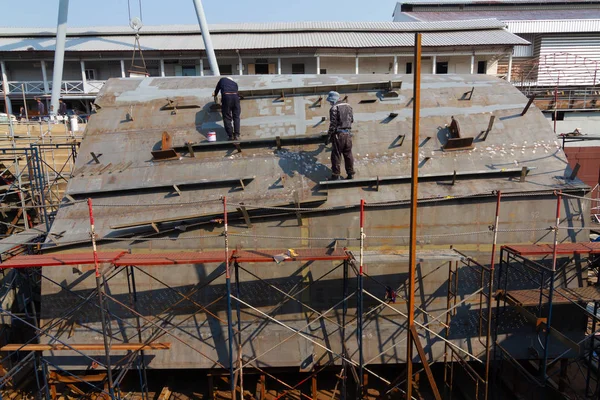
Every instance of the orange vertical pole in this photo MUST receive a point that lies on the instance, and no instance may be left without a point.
(412, 255)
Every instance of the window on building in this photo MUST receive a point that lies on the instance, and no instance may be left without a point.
(481, 67)
(441, 67)
(90, 74)
(558, 116)
(226, 69)
(297, 68)
(409, 68)
(188, 70)
(323, 71)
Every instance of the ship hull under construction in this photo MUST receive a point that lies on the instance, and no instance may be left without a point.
(270, 191)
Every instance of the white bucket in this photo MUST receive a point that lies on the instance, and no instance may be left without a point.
(212, 136)
(74, 124)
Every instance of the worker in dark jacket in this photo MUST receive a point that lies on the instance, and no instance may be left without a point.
(41, 108)
(341, 118)
(62, 108)
(230, 106)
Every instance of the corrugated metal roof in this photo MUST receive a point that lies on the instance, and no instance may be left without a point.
(492, 2)
(268, 27)
(270, 41)
(507, 15)
(555, 26)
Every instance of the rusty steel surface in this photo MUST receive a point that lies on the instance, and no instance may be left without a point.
(120, 258)
(126, 145)
(129, 125)
(50, 260)
(561, 296)
(562, 248)
(589, 160)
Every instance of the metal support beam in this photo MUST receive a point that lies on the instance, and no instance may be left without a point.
(229, 311)
(356, 69)
(433, 65)
(510, 61)
(318, 65)
(359, 323)
(123, 75)
(240, 63)
(412, 260)
(531, 99)
(59, 55)
(6, 89)
(45, 77)
(201, 67)
(472, 64)
(551, 291)
(83, 77)
(210, 52)
(278, 65)
(395, 65)
(240, 374)
(488, 341)
(141, 359)
(343, 331)
(100, 289)
(162, 67)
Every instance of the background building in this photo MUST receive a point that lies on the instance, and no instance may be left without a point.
(560, 67)
(565, 35)
(94, 55)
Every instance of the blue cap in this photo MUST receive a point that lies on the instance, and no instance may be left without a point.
(333, 97)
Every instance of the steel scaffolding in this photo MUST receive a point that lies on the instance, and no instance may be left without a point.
(354, 370)
(535, 305)
(245, 319)
(34, 180)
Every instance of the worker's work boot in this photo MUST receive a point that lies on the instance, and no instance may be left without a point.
(350, 177)
(334, 178)
(229, 139)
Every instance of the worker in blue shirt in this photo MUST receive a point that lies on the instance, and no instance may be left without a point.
(230, 106)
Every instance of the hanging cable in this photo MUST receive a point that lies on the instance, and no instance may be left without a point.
(136, 24)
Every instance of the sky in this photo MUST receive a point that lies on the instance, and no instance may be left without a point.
(43, 13)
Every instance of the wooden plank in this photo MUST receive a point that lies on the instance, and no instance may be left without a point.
(89, 347)
(11, 228)
(165, 393)
(56, 378)
(75, 389)
(423, 357)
